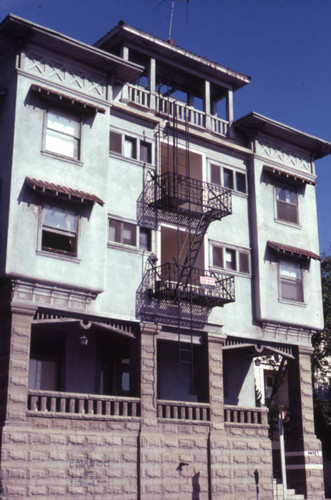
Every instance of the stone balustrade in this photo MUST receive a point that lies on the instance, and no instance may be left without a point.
(179, 410)
(239, 415)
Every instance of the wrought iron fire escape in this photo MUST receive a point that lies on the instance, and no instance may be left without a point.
(191, 204)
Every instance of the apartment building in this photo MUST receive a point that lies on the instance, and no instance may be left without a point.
(152, 249)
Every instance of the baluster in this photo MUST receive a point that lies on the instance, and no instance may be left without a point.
(43, 403)
(63, 405)
(168, 411)
(133, 409)
(81, 405)
(255, 417)
(182, 412)
(159, 411)
(204, 414)
(125, 409)
(175, 411)
(53, 404)
(190, 413)
(90, 409)
(107, 408)
(72, 405)
(197, 414)
(116, 408)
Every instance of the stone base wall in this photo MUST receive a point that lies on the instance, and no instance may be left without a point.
(73, 458)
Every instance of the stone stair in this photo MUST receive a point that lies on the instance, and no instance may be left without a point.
(279, 494)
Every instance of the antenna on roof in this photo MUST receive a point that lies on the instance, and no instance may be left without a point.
(170, 40)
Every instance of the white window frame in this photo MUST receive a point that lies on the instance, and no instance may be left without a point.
(236, 252)
(277, 188)
(74, 138)
(63, 233)
(287, 279)
(234, 172)
(137, 231)
(137, 144)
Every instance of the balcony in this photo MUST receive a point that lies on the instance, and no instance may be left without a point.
(63, 404)
(171, 109)
(204, 288)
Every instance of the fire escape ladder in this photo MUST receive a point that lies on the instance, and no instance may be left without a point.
(194, 248)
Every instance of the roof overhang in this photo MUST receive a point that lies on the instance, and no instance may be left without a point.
(62, 192)
(288, 177)
(289, 251)
(17, 28)
(61, 98)
(152, 44)
(254, 123)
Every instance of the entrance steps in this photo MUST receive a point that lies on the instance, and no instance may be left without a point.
(279, 492)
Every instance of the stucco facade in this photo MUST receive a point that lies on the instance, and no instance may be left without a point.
(151, 250)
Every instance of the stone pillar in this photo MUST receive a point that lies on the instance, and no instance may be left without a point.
(219, 460)
(149, 481)
(304, 461)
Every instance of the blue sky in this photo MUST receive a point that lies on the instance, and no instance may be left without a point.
(283, 44)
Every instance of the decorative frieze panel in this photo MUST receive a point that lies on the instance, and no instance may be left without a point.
(286, 156)
(46, 295)
(66, 74)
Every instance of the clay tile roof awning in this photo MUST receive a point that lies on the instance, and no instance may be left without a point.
(62, 191)
(59, 97)
(290, 251)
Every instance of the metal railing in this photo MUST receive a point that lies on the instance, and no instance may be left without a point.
(179, 410)
(51, 402)
(173, 192)
(238, 415)
(206, 288)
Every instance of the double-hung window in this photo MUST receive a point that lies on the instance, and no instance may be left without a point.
(122, 232)
(59, 230)
(287, 204)
(291, 285)
(62, 133)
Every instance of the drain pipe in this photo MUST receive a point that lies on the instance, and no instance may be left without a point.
(282, 450)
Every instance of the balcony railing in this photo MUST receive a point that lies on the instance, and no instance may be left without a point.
(179, 410)
(50, 403)
(178, 193)
(238, 415)
(205, 288)
(172, 108)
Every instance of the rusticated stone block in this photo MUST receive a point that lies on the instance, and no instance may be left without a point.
(57, 491)
(16, 491)
(75, 490)
(37, 490)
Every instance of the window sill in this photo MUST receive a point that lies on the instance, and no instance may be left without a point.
(292, 302)
(60, 256)
(113, 154)
(127, 248)
(288, 224)
(66, 159)
(230, 272)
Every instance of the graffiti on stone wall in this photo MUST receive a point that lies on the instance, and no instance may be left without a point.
(88, 472)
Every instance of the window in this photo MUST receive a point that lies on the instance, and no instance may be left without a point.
(115, 142)
(145, 239)
(287, 204)
(145, 152)
(130, 147)
(62, 134)
(59, 230)
(290, 280)
(228, 178)
(43, 374)
(122, 232)
(230, 258)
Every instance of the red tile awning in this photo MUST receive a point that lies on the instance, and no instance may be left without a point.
(62, 191)
(61, 98)
(290, 251)
(285, 176)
